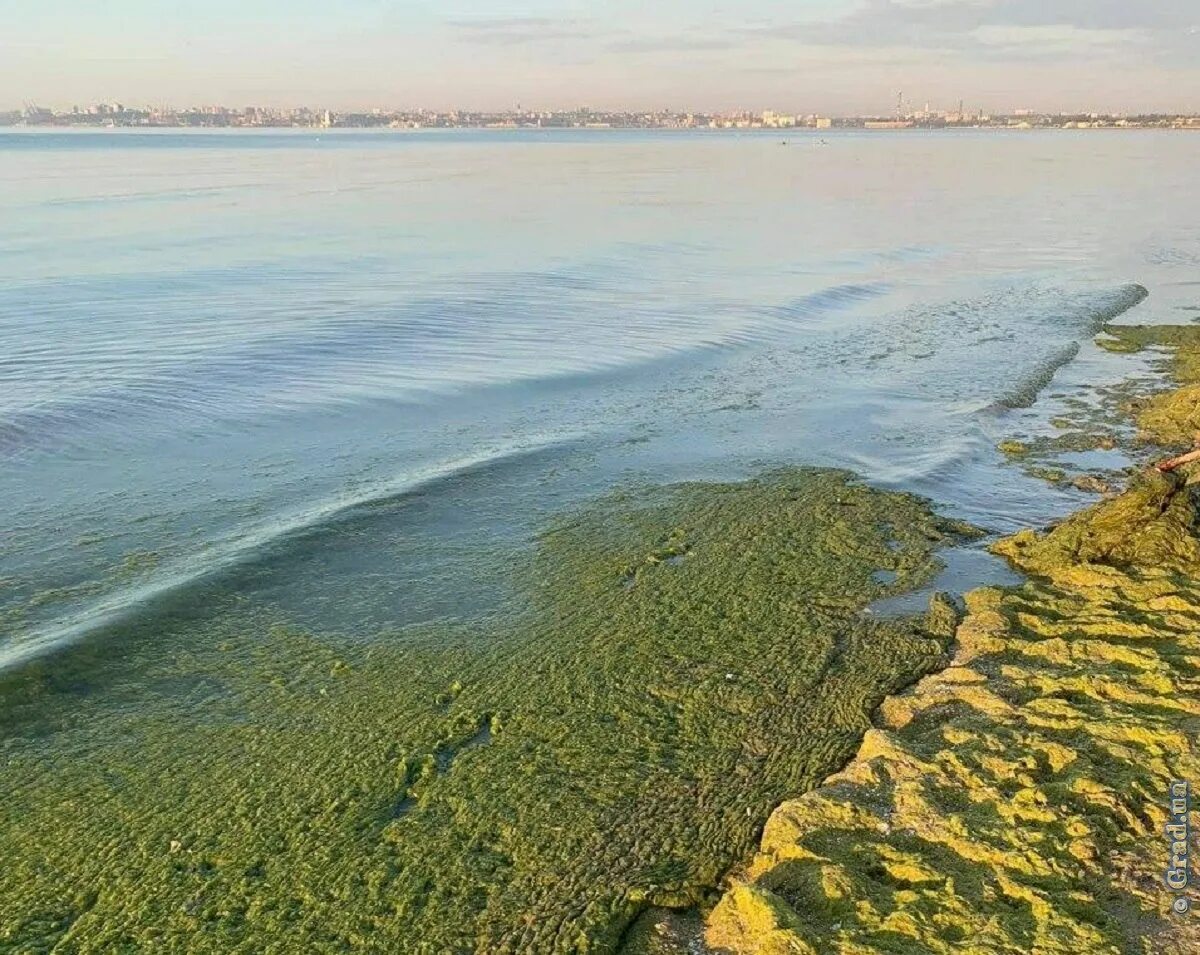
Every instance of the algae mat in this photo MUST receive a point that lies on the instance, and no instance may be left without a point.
(1016, 801)
(687, 658)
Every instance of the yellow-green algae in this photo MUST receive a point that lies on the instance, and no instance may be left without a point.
(1014, 802)
(1100, 424)
(1171, 417)
(213, 781)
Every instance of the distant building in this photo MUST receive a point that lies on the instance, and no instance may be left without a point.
(774, 120)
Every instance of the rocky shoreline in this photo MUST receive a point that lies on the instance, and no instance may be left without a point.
(1016, 800)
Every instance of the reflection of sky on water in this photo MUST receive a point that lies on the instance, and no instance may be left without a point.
(361, 364)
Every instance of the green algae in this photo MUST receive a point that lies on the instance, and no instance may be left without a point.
(1013, 448)
(684, 659)
(1169, 418)
(1041, 457)
(1014, 801)
(1049, 475)
(1101, 423)
(1182, 340)
(1151, 525)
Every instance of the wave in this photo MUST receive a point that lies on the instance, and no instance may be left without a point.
(1025, 392)
(941, 333)
(228, 351)
(255, 544)
(834, 298)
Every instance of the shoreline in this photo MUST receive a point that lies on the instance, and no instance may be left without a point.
(1015, 800)
(355, 785)
(690, 656)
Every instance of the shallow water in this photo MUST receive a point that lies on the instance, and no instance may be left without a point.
(348, 376)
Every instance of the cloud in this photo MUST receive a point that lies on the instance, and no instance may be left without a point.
(520, 31)
(555, 31)
(1004, 27)
(677, 44)
(1125, 34)
(958, 16)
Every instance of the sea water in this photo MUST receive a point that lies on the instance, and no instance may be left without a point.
(348, 376)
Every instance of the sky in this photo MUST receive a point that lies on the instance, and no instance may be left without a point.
(807, 56)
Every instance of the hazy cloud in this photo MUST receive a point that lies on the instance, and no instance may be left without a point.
(548, 31)
(1012, 26)
(677, 44)
(832, 55)
(517, 31)
(1015, 29)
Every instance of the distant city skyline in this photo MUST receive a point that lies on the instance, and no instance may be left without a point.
(904, 115)
(845, 57)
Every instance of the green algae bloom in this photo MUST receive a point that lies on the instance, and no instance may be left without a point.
(683, 659)
(1014, 801)
(1011, 802)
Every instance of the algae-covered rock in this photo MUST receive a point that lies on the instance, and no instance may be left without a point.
(1183, 341)
(753, 913)
(1013, 448)
(941, 620)
(1014, 802)
(1152, 525)
(1171, 417)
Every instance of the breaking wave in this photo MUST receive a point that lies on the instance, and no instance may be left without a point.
(254, 544)
(1092, 318)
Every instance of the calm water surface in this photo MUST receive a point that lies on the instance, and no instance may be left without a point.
(349, 375)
